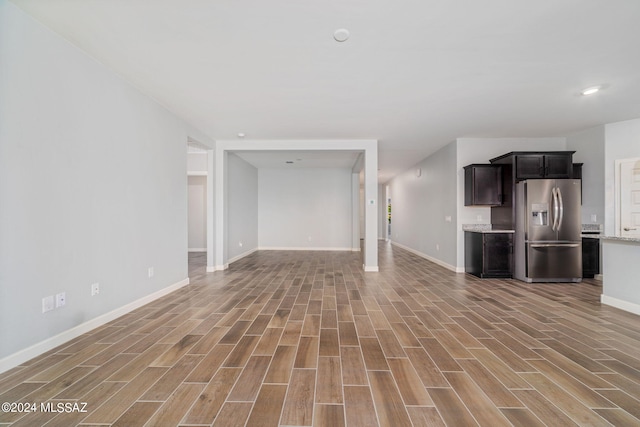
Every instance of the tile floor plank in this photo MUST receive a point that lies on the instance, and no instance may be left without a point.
(176, 406)
(248, 384)
(268, 407)
(475, 400)
(374, 358)
(233, 414)
(563, 400)
(329, 386)
(298, 404)
(137, 415)
(329, 416)
(213, 396)
(359, 407)
(208, 366)
(411, 388)
(281, 365)
(490, 385)
(522, 417)
(451, 408)
(113, 408)
(388, 402)
(425, 416)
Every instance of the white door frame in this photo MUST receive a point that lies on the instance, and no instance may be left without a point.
(618, 193)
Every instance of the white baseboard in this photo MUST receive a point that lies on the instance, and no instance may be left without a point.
(621, 304)
(306, 248)
(242, 255)
(197, 250)
(370, 269)
(598, 277)
(429, 258)
(214, 268)
(37, 349)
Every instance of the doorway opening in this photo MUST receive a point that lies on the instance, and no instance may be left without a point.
(198, 204)
(388, 212)
(628, 197)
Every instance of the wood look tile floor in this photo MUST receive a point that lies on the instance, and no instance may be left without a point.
(308, 339)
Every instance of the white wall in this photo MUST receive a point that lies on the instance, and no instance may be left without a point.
(620, 267)
(243, 207)
(419, 206)
(197, 220)
(589, 147)
(93, 187)
(295, 205)
(622, 141)
(197, 163)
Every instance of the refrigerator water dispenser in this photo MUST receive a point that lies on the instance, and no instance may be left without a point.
(539, 214)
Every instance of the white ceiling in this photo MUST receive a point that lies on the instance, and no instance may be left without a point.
(343, 159)
(415, 74)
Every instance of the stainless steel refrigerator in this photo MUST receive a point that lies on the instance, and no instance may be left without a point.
(548, 245)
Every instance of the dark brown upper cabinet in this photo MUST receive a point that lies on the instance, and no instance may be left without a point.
(537, 165)
(519, 165)
(482, 185)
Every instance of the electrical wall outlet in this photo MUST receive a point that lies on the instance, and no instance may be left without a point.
(437, 247)
(47, 303)
(240, 244)
(150, 272)
(95, 289)
(61, 299)
(594, 217)
(447, 218)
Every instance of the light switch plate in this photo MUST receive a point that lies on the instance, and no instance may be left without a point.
(61, 299)
(47, 303)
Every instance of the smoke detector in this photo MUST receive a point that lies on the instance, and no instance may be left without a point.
(341, 35)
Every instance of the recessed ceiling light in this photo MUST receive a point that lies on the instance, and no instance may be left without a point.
(591, 90)
(341, 35)
(240, 135)
(289, 162)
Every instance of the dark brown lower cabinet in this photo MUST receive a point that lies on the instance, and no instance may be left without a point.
(488, 254)
(590, 257)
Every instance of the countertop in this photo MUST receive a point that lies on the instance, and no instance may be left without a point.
(590, 231)
(592, 228)
(484, 228)
(597, 230)
(617, 238)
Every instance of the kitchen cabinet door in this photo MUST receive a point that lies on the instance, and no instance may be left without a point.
(488, 254)
(590, 257)
(558, 166)
(482, 185)
(536, 166)
(497, 254)
(529, 166)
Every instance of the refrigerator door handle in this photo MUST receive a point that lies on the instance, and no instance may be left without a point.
(561, 203)
(554, 202)
(555, 245)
